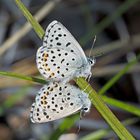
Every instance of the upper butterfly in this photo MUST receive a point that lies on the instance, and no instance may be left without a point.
(61, 58)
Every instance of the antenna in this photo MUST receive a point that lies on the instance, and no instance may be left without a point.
(92, 45)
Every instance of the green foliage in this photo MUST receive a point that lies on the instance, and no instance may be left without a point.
(38, 29)
(12, 99)
(108, 20)
(122, 105)
(96, 99)
(102, 133)
(15, 75)
(64, 126)
(114, 79)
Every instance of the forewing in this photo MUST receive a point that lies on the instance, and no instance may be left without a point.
(57, 35)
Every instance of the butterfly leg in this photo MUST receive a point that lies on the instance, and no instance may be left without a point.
(89, 76)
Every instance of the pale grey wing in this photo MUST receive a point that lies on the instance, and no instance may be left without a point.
(57, 63)
(57, 35)
(54, 102)
(39, 115)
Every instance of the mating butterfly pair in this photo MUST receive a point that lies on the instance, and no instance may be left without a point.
(59, 60)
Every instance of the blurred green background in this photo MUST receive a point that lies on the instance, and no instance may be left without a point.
(116, 25)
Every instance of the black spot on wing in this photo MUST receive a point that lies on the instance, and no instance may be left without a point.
(68, 44)
(61, 108)
(62, 60)
(56, 38)
(71, 104)
(58, 43)
(59, 35)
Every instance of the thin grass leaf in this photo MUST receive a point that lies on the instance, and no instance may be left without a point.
(97, 135)
(108, 20)
(122, 105)
(111, 119)
(38, 29)
(96, 100)
(127, 107)
(64, 126)
(113, 80)
(19, 76)
(102, 133)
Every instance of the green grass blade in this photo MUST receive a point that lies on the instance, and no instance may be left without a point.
(38, 29)
(96, 100)
(100, 134)
(118, 128)
(108, 20)
(127, 107)
(64, 126)
(19, 76)
(122, 105)
(101, 107)
(113, 80)
(96, 135)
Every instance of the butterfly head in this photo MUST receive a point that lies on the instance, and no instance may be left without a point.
(86, 109)
(86, 103)
(85, 70)
(91, 61)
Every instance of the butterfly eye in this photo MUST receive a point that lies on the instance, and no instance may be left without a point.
(85, 109)
(91, 61)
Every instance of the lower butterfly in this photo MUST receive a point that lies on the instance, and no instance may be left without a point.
(57, 100)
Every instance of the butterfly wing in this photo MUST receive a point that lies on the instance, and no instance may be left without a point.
(57, 63)
(56, 101)
(57, 35)
(63, 58)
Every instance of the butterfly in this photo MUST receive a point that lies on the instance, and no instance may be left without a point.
(61, 58)
(58, 100)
